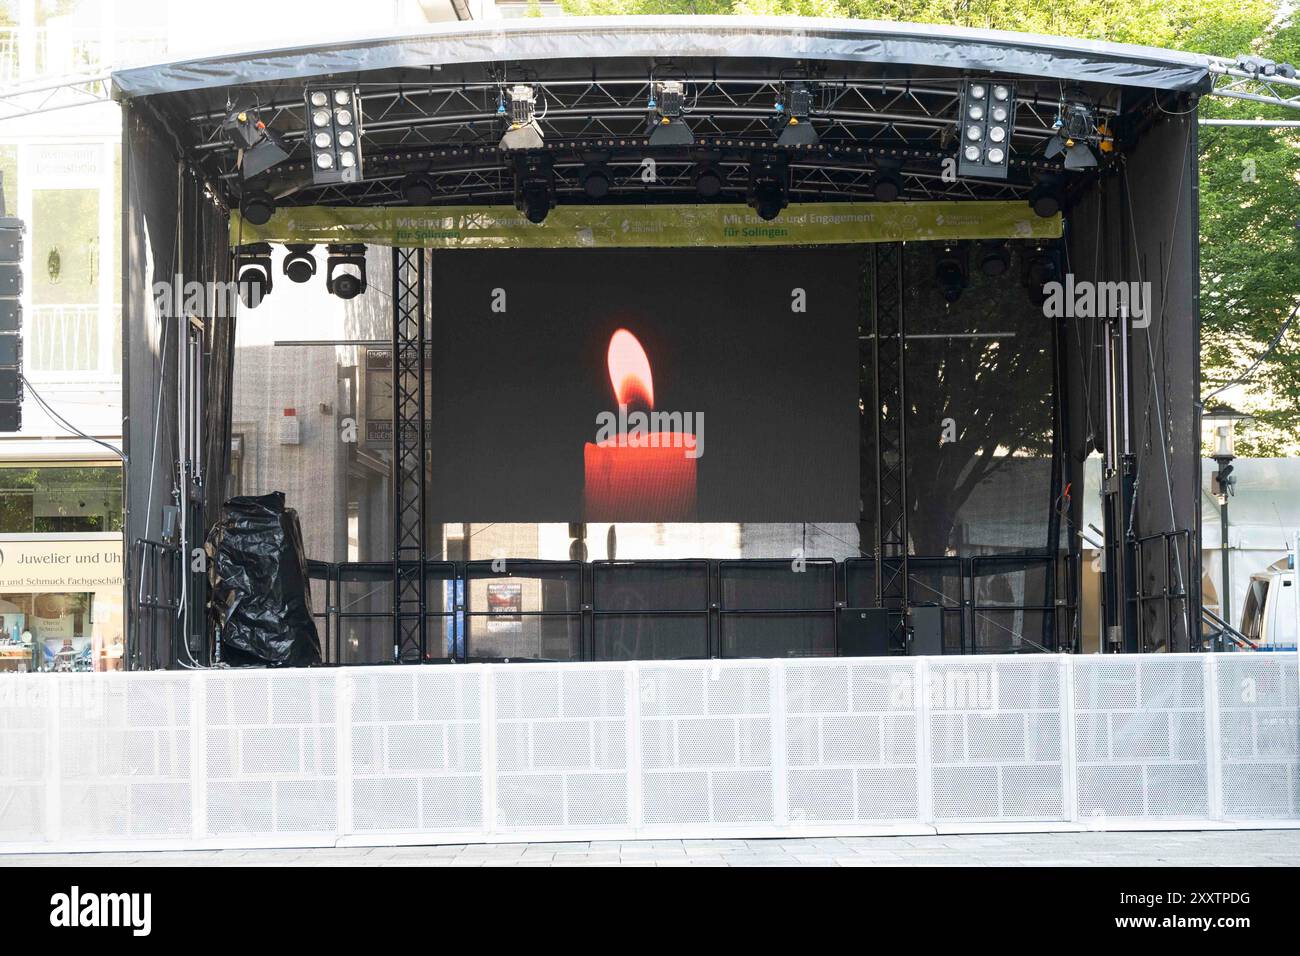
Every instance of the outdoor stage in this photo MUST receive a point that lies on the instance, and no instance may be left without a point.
(819, 251)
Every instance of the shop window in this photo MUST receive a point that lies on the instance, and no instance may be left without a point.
(60, 499)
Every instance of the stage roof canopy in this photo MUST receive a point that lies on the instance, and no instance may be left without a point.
(660, 38)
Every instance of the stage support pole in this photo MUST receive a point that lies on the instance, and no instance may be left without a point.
(890, 422)
(408, 455)
(1119, 482)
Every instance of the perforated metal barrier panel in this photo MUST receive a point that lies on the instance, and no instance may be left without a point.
(457, 753)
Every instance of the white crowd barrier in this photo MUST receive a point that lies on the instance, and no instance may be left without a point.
(468, 753)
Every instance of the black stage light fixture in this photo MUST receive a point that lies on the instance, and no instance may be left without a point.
(994, 257)
(708, 181)
(1041, 265)
(1047, 197)
(667, 103)
(352, 257)
(299, 263)
(253, 273)
(417, 189)
(952, 270)
(794, 110)
(534, 187)
(11, 324)
(260, 147)
(257, 207)
(769, 186)
(1074, 128)
(595, 179)
(887, 182)
(988, 111)
(334, 134)
(523, 131)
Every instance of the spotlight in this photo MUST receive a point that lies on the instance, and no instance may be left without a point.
(334, 134)
(987, 119)
(1047, 197)
(769, 186)
(887, 183)
(667, 103)
(951, 270)
(524, 131)
(1075, 127)
(260, 147)
(417, 189)
(1041, 266)
(595, 179)
(794, 110)
(257, 207)
(534, 187)
(299, 264)
(708, 181)
(994, 257)
(350, 284)
(253, 273)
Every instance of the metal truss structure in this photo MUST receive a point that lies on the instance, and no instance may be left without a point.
(890, 421)
(54, 93)
(408, 454)
(450, 135)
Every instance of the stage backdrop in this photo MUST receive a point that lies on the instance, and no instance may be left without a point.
(645, 385)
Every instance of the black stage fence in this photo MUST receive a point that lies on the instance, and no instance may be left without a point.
(690, 609)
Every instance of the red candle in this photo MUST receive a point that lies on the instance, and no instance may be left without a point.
(637, 474)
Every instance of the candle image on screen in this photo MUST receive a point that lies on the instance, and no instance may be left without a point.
(636, 470)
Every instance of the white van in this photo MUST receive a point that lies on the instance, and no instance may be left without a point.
(1269, 616)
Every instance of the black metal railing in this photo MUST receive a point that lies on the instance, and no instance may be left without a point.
(530, 609)
(155, 600)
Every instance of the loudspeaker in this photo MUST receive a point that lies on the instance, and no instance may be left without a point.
(864, 632)
(927, 631)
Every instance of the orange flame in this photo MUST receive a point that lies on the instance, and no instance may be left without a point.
(629, 369)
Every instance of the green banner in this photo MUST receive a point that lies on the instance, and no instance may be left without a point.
(604, 227)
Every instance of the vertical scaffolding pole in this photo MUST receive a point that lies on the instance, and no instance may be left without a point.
(408, 455)
(890, 415)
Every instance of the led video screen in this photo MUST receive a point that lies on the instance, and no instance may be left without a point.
(705, 385)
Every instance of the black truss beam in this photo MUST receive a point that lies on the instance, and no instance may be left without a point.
(408, 455)
(890, 422)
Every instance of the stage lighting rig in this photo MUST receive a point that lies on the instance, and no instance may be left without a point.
(596, 179)
(534, 187)
(352, 257)
(334, 134)
(952, 270)
(524, 132)
(1042, 265)
(708, 180)
(257, 207)
(299, 263)
(887, 183)
(260, 147)
(794, 109)
(417, 189)
(667, 103)
(1047, 197)
(769, 186)
(1075, 131)
(253, 273)
(994, 257)
(984, 129)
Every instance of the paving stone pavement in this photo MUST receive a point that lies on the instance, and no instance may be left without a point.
(1177, 848)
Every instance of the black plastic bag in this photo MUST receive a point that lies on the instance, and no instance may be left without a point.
(260, 595)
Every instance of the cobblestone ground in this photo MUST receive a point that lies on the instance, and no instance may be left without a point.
(1222, 848)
